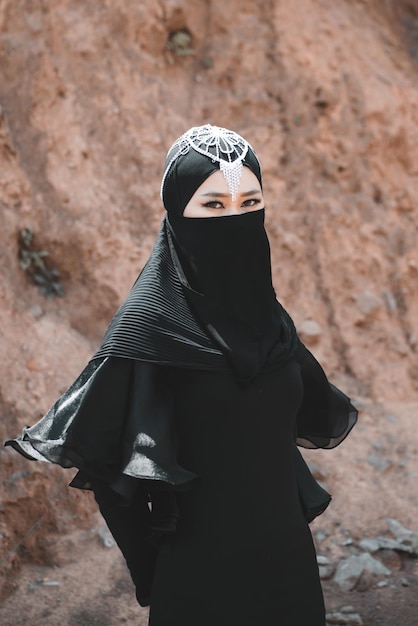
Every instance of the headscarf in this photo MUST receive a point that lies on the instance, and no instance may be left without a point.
(205, 299)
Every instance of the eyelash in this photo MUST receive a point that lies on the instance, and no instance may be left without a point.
(210, 205)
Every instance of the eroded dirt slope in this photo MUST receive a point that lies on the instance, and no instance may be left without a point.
(92, 95)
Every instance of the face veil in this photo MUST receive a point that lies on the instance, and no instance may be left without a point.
(224, 265)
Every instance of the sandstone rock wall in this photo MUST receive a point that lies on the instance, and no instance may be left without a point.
(93, 93)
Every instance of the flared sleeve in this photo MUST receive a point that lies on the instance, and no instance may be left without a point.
(326, 415)
(313, 497)
(114, 424)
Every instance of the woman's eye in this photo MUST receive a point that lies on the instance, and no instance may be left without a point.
(251, 202)
(214, 204)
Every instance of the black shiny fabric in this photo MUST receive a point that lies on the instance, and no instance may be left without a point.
(115, 424)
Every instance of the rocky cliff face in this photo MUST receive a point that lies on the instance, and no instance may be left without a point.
(93, 93)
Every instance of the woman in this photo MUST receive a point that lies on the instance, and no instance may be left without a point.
(185, 421)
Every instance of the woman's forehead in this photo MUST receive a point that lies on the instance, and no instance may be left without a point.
(216, 184)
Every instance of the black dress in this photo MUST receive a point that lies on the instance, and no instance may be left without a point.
(243, 553)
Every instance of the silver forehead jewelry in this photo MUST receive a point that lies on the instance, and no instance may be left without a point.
(218, 144)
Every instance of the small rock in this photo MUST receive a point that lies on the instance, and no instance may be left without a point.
(340, 617)
(348, 608)
(326, 571)
(317, 472)
(406, 538)
(369, 545)
(33, 365)
(180, 43)
(390, 558)
(376, 460)
(37, 311)
(368, 303)
(392, 544)
(390, 301)
(350, 570)
(325, 567)
(366, 580)
(382, 583)
(107, 539)
(321, 536)
(310, 332)
(322, 560)
(374, 565)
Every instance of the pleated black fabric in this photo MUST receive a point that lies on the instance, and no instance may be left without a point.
(101, 414)
(164, 320)
(155, 323)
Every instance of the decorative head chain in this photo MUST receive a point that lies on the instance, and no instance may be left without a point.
(218, 144)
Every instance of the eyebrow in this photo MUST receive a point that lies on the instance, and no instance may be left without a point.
(216, 194)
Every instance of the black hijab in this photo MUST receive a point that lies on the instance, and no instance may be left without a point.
(205, 298)
(225, 267)
(168, 318)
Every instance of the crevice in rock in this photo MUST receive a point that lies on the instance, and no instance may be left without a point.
(402, 310)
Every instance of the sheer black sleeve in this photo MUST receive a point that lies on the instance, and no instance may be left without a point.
(326, 415)
(114, 424)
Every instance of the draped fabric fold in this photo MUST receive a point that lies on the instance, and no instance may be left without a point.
(326, 415)
(115, 421)
(115, 424)
(155, 323)
(165, 320)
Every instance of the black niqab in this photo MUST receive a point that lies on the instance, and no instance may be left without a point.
(224, 264)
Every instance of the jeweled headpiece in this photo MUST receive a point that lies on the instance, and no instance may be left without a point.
(218, 144)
